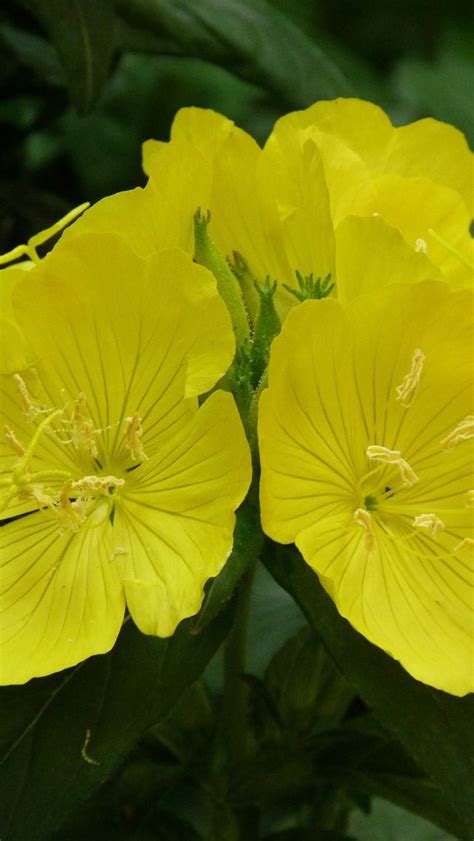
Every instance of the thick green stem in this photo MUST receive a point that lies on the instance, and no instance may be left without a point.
(239, 823)
(234, 701)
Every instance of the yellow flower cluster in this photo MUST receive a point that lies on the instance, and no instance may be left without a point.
(119, 487)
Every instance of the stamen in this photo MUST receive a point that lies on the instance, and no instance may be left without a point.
(30, 408)
(13, 442)
(133, 436)
(363, 518)
(386, 456)
(406, 392)
(82, 427)
(70, 514)
(20, 468)
(429, 521)
(462, 432)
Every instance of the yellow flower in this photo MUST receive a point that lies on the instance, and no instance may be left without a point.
(336, 190)
(366, 447)
(126, 486)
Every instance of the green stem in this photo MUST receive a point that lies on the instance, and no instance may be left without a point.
(240, 823)
(234, 713)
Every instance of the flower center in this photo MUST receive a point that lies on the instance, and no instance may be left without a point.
(79, 489)
(384, 498)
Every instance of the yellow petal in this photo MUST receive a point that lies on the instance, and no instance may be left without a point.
(336, 374)
(14, 351)
(435, 150)
(175, 524)
(361, 126)
(295, 201)
(133, 335)
(128, 214)
(370, 254)
(61, 599)
(423, 212)
(404, 597)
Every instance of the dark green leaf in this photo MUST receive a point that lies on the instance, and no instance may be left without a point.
(33, 52)
(306, 688)
(435, 728)
(83, 31)
(62, 737)
(361, 757)
(248, 37)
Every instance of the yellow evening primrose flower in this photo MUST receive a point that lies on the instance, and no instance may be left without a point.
(366, 439)
(335, 188)
(125, 484)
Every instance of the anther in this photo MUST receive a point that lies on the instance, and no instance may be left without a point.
(82, 427)
(13, 442)
(386, 456)
(406, 392)
(133, 436)
(431, 522)
(462, 432)
(363, 518)
(30, 408)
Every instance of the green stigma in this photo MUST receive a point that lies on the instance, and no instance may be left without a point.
(370, 503)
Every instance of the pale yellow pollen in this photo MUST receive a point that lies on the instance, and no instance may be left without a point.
(421, 245)
(28, 405)
(95, 484)
(431, 522)
(406, 392)
(462, 432)
(13, 442)
(363, 518)
(386, 456)
(133, 436)
(82, 427)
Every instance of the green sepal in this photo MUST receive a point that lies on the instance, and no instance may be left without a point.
(246, 280)
(267, 326)
(207, 254)
(309, 288)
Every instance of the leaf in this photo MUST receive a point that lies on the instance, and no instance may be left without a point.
(83, 32)
(248, 37)
(306, 688)
(435, 728)
(361, 756)
(62, 737)
(34, 52)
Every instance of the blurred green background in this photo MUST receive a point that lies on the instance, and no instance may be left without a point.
(412, 57)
